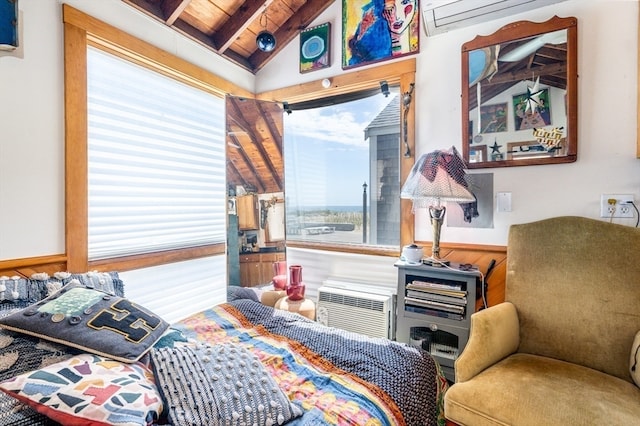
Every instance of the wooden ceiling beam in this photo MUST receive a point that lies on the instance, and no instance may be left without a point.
(275, 172)
(271, 126)
(172, 9)
(240, 24)
(249, 12)
(527, 74)
(234, 113)
(149, 8)
(234, 177)
(289, 30)
(264, 157)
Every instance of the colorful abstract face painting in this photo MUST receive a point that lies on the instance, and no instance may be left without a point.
(376, 30)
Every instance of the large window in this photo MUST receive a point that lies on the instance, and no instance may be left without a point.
(156, 161)
(342, 171)
(400, 74)
(144, 157)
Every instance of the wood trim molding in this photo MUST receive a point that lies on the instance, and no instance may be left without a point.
(76, 185)
(26, 266)
(110, 38)
(27, 262)
(368, 78)
(128, 263)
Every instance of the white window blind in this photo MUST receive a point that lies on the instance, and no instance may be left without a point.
(156, 161)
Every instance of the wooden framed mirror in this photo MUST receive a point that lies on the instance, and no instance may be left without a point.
(520, 95)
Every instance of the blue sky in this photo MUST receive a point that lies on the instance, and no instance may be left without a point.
(326, 154)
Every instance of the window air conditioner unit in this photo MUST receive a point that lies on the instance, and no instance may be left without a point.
(357, 308)
(440, 16)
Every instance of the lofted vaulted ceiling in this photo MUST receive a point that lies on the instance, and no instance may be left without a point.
(254, 145)
(229, 27)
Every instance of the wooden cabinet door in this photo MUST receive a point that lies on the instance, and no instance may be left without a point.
(247, 207)
(250, 270)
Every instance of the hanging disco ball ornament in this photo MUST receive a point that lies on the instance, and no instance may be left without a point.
(265, 40)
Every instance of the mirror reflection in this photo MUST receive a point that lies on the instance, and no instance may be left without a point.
(255, 185)
(519, 95)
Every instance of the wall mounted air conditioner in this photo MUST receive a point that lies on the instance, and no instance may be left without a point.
(440, 16)
(357, 308)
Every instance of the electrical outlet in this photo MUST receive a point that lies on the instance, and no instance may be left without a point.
(616, 205)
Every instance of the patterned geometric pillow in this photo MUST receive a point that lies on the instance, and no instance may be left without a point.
(19, 354)
(233, 388)
(90, 390)
(92, 321)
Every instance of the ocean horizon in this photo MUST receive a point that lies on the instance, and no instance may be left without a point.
(354, 209)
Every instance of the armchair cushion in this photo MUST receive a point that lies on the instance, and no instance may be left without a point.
(525, 389)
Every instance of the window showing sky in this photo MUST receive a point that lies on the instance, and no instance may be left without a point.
(326, 153)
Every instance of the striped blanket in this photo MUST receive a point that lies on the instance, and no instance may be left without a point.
(336, 377)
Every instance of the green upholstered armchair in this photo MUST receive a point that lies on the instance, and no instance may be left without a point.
(559, 350)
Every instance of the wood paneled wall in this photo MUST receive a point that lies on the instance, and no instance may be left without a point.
(480, 255)
(28, 266)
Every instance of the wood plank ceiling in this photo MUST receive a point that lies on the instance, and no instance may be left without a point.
(254, 145)
(229, 27)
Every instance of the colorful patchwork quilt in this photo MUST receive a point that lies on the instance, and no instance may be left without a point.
(336, 377)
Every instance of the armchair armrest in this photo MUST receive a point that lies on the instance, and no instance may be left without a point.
(494, 335)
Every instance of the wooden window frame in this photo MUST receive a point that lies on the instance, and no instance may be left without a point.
(80, 32)
(401, 73)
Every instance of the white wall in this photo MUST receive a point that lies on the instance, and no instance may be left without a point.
(32, 115)
(607, 67)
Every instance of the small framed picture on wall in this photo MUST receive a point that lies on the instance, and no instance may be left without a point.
(315, 48)
(374, 31)
(8, 24)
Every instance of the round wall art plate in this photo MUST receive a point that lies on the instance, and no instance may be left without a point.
(313, 47)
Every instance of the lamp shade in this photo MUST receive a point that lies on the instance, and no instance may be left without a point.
(437, 176)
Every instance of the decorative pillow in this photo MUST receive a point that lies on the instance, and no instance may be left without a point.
(90, 320)
(232, 388)
(19, 354)
(20, 292)
(170, 338)
(235, 293)
(90, 390)
(634, 360)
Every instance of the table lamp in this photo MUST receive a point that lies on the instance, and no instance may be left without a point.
(437, 177)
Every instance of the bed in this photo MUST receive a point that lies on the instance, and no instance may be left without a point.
(239, 362)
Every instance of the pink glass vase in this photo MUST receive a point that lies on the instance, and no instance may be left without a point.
(279, 279)
(295, 289)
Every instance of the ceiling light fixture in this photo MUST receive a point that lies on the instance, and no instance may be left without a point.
(265, 41)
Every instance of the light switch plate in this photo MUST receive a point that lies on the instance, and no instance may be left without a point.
(503, 201)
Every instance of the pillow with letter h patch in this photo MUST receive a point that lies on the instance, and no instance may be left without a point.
(92, 321)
